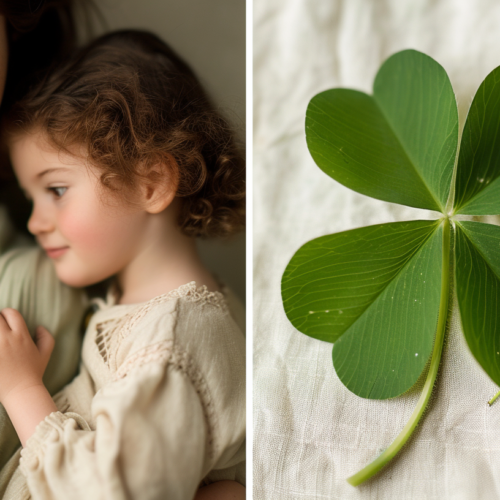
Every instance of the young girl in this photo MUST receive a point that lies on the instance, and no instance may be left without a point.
(126, 162)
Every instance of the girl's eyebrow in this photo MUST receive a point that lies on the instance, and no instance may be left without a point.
(50, 170)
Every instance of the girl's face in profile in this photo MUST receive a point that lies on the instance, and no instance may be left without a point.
(89, 234)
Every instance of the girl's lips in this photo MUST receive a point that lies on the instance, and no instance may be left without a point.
(53, 253)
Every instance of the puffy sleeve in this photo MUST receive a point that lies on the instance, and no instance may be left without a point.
(149, 440)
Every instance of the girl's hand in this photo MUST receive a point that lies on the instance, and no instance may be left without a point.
(22, 362)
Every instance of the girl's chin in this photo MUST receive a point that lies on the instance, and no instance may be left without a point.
(76, 280)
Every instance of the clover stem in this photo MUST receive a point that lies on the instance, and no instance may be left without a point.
(492, 400)
(372, 468)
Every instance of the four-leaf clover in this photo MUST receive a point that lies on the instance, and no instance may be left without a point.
(380, 293)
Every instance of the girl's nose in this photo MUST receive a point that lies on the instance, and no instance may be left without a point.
(39, 222)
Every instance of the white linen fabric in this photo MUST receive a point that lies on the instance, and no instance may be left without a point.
(310, 432)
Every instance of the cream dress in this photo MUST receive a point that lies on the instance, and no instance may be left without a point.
(157, 408)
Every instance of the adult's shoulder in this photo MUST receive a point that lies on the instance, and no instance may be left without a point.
(28, 283)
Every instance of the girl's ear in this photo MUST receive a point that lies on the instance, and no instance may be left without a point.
(160, 186)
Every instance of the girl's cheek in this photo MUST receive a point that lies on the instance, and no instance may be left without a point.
(84, 230)
(94, 230)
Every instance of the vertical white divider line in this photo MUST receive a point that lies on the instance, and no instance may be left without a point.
(249, 247)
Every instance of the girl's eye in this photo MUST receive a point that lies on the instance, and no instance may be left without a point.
(58, 191)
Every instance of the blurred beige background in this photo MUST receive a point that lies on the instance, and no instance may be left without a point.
(210, 36)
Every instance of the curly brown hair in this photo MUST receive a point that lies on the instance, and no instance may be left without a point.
(134, 104)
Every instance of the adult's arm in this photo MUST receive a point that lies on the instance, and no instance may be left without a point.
(29, 284)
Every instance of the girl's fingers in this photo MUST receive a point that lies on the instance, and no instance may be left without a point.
(14, 319)
(44, 342)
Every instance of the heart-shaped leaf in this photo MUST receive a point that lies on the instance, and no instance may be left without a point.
(478, 291)
(374, 291)
(478, 171)
(398, 145)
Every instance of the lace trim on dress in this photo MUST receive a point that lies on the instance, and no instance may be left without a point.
(158, 352)
(119, 328)
(102, 338)
(189, 291)
(195, 294)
